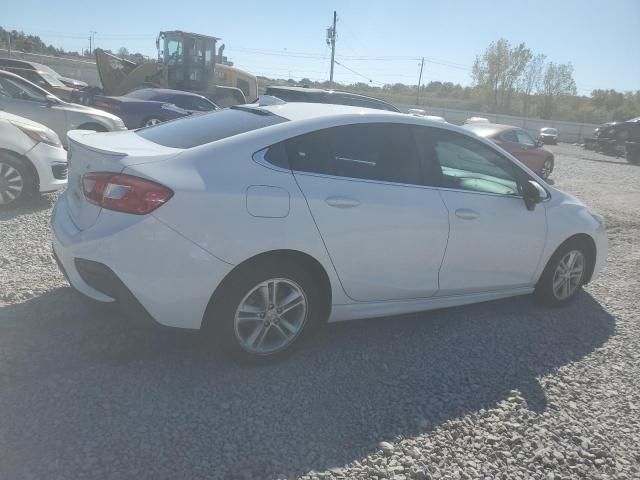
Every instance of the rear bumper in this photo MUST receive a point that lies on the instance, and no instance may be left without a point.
(103, 279)
(139, 264)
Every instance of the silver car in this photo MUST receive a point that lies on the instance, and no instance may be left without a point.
(21, 97)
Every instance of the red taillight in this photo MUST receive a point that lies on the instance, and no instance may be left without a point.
(124, 193)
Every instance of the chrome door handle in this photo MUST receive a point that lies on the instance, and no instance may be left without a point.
(342, 202)
(467, 214)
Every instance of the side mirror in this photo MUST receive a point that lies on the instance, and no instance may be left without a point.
(539, 143)
(51, 100)
(533, 193)
(42, 83)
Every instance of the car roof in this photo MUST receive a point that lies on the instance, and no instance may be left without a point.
(303, 111)
(169, 91)
(322, 90)
(488, 129)
(166, 92)
(16, 63)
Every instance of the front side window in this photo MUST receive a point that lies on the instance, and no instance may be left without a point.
(14, 88)
(470, 165)
(525, 139)
(510, 136)
(383, 152)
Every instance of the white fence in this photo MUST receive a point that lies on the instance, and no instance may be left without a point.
(570, 132)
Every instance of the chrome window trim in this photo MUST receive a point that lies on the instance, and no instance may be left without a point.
(258, 157)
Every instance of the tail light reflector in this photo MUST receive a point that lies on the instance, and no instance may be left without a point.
(124, 193)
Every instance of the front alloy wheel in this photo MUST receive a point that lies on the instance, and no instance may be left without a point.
(566, 271)
(567, 277)
(11, 184)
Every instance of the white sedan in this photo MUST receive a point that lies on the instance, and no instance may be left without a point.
(32, 160)
(258, 224)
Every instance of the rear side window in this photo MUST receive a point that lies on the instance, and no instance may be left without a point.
(197, 130)
(384, 152)
(310, 153)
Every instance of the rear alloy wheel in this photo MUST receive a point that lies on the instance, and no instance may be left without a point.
(547, 168)
(16, 182)
(151, 122)
(564, 275)
(264, 311)
(271, 316)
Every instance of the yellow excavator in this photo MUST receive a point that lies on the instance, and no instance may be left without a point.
(186, 61)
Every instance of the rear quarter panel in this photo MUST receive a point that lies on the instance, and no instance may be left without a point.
(209, 206)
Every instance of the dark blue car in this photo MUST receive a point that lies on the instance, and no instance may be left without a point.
(150, 106)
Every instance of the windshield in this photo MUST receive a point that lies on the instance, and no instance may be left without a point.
(209, 127)
(144, 94)
(51, 79)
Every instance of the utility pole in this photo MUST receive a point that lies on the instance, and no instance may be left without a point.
(91, 42)
(331, 40)
(9, 44)
(419, 82)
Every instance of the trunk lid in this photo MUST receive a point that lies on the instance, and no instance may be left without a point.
(104, 152)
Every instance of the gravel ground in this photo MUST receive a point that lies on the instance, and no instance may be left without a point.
(503, 389)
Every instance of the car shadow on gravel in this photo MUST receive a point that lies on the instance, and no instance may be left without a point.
(159, 401)
(32, 205)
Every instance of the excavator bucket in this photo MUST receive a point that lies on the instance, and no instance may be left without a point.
(119, 76)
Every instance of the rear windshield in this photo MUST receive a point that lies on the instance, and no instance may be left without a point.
(209, 127)
(143, 94)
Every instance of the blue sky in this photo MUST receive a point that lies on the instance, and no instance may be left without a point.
(378, 40)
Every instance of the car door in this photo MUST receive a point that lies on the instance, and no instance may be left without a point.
(22, 99)
(495, 243)
(384, 230)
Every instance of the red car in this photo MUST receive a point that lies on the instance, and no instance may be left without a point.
(518, 143)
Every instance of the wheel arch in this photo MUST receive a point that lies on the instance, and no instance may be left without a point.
(27, 162)
(588, 241)
(298, 257)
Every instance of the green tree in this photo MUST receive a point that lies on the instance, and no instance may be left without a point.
(557, 82)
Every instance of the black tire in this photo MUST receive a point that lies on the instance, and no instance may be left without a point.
(220, 323)
(633, 157)
(15, 173)
(544, 292)
(93, 126)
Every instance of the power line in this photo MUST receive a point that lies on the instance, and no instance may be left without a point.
(358, 73)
